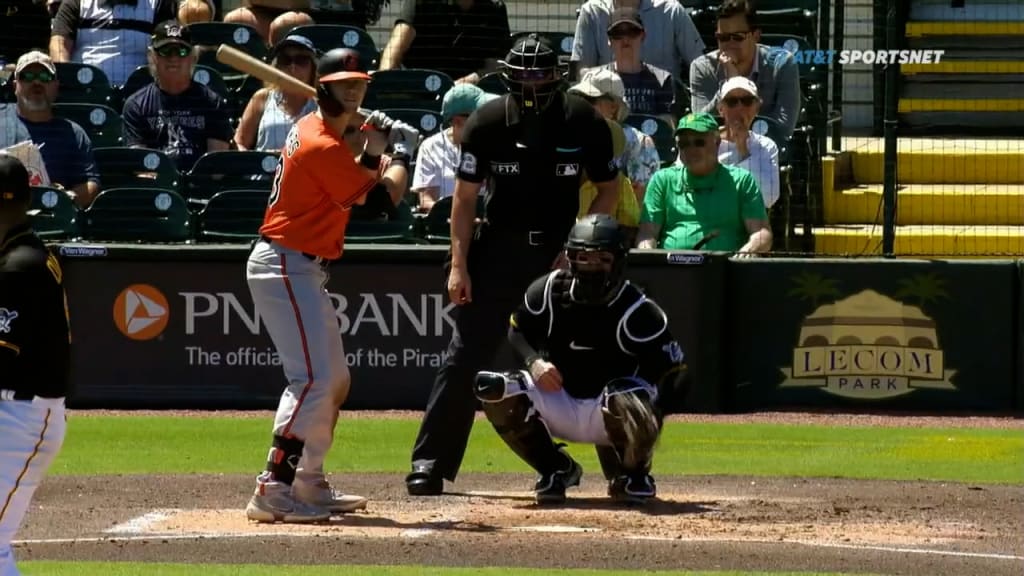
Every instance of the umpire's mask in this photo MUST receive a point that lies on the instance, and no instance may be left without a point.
(596, 250)
(530, 72)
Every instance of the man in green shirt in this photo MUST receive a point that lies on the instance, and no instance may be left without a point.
(703, 199)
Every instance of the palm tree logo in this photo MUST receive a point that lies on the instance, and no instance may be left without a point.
(924, 289)
(814, 288)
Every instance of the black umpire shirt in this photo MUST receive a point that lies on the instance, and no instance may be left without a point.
(534, 167)
(592, 344)
(35, 341)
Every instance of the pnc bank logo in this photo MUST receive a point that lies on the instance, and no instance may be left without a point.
(141, 312)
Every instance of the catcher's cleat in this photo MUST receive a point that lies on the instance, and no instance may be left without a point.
(321, 495)
(550, 488)
(274, 502)
(634, 489)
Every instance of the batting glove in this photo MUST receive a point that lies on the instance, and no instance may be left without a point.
(403, 139)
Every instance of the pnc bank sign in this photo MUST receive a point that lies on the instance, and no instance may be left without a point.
(142, 312)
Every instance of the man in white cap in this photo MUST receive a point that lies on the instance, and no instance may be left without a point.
(739, 104)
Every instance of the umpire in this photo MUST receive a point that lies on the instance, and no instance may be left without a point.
(35, 350)
(532, 146)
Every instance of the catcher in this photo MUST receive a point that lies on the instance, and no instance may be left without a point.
(597, 355)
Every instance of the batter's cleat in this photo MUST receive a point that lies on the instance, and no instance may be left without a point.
(321, 494)
(637, 489)
(550, 488)
(274, 502)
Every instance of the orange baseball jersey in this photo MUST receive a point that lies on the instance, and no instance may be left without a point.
(317, 182)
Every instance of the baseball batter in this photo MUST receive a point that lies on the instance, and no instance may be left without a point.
(35, 353)
(318, 180)
(597, 357)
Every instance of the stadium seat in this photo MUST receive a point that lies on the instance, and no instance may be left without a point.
(660, 131)
(437, 224)
(232, 216)
(101, 123)
(140, 78)
(492, 83)
(427, 122)
(53, 214)
(137, 215)
(562, 42)
(328, 36)
(210, 35)
(407, 88)
(399, 231)
(82, 83)
(135, 167)
(216, 172)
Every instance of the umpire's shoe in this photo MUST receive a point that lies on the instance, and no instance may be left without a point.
(551, 487)
(632, 489)
(422, 481)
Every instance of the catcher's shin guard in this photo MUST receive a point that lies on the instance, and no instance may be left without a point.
(632, 422)
(510, 411)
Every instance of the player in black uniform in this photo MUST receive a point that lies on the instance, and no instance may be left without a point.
(35, 350)
(598, 356)
(532, 146)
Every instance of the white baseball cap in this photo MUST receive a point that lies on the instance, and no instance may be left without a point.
(599, 82)
(740, 83)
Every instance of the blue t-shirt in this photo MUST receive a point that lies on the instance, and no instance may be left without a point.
(177, 124)
(66, 151)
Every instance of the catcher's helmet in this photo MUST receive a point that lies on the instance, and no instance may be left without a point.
(596, 277)
(530, 72)
(337, 64)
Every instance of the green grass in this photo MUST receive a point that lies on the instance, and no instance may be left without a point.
(134, 569)
(167, 445)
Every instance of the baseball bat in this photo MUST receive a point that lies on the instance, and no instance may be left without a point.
(259, 69)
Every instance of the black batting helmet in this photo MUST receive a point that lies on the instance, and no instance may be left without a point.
(337, 64)
(530, 72)
(14, 181)
(596, 279)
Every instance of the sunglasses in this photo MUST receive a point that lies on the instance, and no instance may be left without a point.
(302, 60)
(691, 143)
(732, 36)
(44, 76)
(174, 50)
(733, 101)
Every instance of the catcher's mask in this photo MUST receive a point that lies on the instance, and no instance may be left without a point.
(530, 72)
(596, 250)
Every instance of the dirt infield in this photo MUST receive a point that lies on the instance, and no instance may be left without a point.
(699, 523)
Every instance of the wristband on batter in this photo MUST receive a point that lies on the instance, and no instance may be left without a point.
(531, 359)
(402, 159)
(369, 161)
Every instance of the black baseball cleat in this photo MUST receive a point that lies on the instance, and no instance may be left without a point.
(635, 489)
(550, 488)
(423, 482)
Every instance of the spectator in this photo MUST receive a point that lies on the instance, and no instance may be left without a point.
(464, 39)
(649, 89)
(64, 145)
(738, 104)
(109, 34)
(12, 130)
(739, 53)
(671, 41)
(174, 113)
(439, 154)
(272, 111)
(383, 200)
(703, 199)
(285, 23)
(639, 160)
(192, 11)
(260, 14)
(627, 208)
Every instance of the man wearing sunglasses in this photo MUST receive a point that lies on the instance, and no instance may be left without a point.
(702, 201)
(63, 144)
(175, 114)
(739, 53)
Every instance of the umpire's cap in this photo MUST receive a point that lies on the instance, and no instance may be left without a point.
(14, 186)
(341, 64)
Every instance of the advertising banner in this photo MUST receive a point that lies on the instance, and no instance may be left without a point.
(166, 328)
(874, 334)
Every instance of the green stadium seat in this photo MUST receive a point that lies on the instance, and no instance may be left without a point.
(101, 123)
(137, 215)
(402, 230)
(122, 167)
(492, 83)
(427, 122)
(53, 214)
(83, 83)
(407, 88)
(210, 35)
(561, 41)
(660, 131)
(232, 216)
(328, 36)
(437, 224)
(216, 172)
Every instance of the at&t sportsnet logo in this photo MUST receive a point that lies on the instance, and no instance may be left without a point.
(880, 57)
(141, 312)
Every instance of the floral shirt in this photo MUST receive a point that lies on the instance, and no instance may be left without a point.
(640, 160)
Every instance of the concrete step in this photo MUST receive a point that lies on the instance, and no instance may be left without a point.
(939, 160)
(923, 241)
(923, 204)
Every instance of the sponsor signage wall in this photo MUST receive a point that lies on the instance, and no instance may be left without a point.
(872, 334)
(176, 327)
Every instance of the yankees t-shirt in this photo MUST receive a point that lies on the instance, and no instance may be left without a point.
(177, 124)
